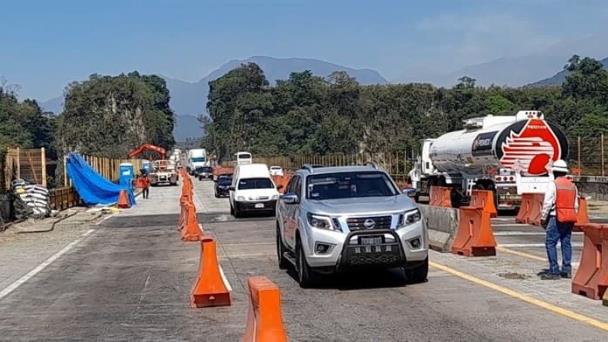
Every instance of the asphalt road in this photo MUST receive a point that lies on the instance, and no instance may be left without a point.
(130, 280)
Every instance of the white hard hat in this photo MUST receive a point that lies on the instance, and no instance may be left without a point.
(559, 166)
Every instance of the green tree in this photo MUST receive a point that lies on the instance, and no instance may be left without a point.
(110, 115)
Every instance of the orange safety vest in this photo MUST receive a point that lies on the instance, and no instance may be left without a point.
(565, 200)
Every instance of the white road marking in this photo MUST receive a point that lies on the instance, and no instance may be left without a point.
(520, 233)
(12, 287)
(535, 245)
(510, 225)
(249, 244)
(225, 279)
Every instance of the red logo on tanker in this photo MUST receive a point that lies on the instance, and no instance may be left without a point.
(531, 149)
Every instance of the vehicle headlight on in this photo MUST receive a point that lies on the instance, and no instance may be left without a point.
(410, 217)
(240, 198)
(320, 221)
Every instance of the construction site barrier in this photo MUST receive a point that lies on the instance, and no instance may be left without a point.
(591, 279)
(440, 196)
(582, 216)
(191, 231)
(474, 236)
(484, 199)
(209, 288)
(530, 209)
(264, 319)
(441, 224)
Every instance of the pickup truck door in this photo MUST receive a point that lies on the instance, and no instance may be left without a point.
(292, 211)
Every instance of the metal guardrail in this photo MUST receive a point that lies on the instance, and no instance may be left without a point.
(63, 198)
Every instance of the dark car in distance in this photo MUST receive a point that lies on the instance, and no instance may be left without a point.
(222, 186)
(203, 172)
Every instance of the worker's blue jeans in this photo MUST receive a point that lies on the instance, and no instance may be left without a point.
(557, 231)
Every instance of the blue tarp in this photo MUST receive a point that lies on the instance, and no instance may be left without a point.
(91, 186)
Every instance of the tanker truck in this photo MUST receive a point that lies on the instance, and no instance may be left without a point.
(509, 155)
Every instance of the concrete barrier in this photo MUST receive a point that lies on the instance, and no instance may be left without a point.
(595, 187)
(442, 224)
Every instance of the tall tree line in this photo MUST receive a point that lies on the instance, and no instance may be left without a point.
(308, 114)
(23, 124)
(110, 115)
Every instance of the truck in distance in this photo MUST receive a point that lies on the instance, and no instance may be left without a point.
(163, 172)
(197, 158)
(509, 155)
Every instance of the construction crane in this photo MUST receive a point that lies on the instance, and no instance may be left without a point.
(148, 147)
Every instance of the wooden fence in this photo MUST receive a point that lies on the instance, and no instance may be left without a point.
(397, 163)
(588, 155)
(27, 164)
(63, 198)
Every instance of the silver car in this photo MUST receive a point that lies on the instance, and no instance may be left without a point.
(335, 218)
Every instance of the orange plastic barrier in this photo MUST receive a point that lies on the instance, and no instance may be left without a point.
(484, 199)
(123, 200)
(591, 279)
(190, 228)
(185, 200)
(220, 170)
(264, 320)
(582, 217)
(440, 196)
(209, 289)
(530, 209)
(474, 236)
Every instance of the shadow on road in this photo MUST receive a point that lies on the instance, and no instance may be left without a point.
(358, 280)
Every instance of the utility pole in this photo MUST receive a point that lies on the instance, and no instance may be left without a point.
(602, 153)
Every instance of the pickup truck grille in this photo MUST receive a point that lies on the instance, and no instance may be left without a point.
(358, 223)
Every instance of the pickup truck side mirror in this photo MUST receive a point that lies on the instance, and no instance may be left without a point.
(231, 188)
(290, 199)
(410, 192)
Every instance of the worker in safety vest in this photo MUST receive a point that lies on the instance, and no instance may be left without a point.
(558, 216)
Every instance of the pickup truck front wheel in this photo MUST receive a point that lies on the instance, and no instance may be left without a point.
(306, 276)
(419, 273)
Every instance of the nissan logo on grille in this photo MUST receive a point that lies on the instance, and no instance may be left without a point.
(369, 224)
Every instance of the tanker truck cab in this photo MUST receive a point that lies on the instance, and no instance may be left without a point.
(252, 190)
(509, 155)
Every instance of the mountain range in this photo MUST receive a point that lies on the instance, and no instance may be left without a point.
(560, 77)
(188, 99)
(518, 69)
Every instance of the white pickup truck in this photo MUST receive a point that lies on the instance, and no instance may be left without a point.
(163, 172)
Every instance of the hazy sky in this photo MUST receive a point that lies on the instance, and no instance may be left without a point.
(44, 45)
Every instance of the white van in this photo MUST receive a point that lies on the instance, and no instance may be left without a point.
(243, 158)
(252, 190)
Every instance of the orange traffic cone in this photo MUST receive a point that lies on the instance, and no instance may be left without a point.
(123, 200)
(209, 289)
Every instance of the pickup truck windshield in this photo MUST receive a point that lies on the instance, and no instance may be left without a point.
(349, 185)
(255, 183)
(198, 159)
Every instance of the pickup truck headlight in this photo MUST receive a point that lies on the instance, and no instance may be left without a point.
(275, 197)
(320, 221)
(240, 198)
(410, 217)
